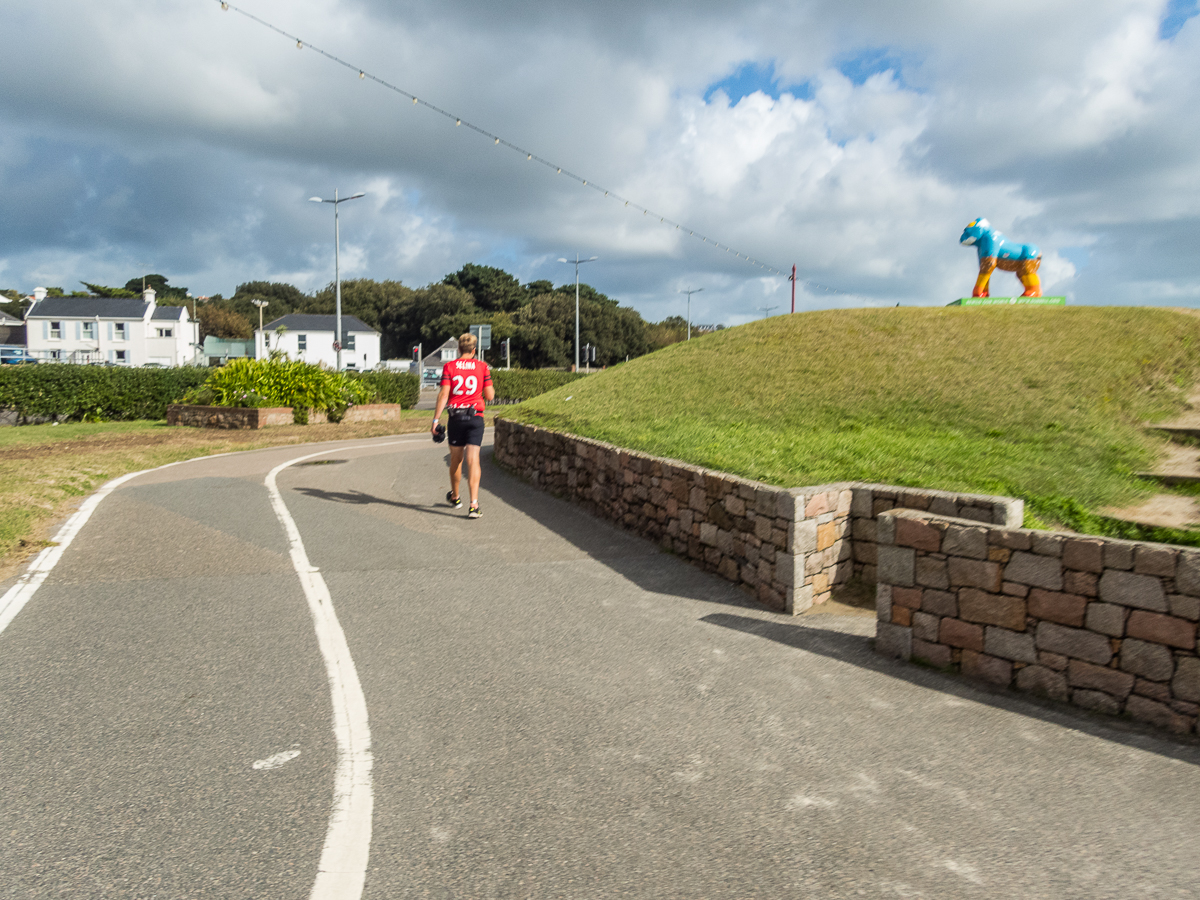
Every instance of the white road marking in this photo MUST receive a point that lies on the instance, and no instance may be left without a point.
(274, 762)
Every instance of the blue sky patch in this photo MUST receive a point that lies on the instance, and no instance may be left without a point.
(862, 64)
(1178, 12)
(750, 77)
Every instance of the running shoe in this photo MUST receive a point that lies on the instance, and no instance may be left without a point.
(474, 512)
(455, 502)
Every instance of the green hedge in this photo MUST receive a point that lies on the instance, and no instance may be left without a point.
(521, 384)
(93, 393)
(391, 387)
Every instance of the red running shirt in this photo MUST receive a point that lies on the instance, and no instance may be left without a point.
(467, 378)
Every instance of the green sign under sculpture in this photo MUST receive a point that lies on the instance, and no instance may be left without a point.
(1004, 301)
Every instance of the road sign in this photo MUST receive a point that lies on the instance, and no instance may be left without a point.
(484, 335)
(336, 346)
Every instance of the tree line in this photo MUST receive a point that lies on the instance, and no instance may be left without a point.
(538, 317)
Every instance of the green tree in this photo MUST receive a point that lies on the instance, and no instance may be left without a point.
(158, 283)
(100, 290)
(361, 297)
(670, 330)
(219, 321)
(546, 329)
(494, 289)
(428, 316)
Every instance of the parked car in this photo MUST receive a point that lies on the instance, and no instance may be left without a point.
(11, 356)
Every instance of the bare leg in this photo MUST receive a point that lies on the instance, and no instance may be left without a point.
(473, 472)
(456, 463)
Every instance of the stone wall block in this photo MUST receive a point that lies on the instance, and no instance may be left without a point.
(797, 599)
(765, 501)
(1162, 629)
(1158, 561)
(861, 503)
(1099, 678)
(909, 597)
(957, 633)
(1184, 606)
(817, 505)
(1187, 573)
(943, 506)
(1043, 681)
(976, 573)
(961, 540)
(1129, 589)
(1066, 609)
(1013, 540)
(1152, 661)
(940, 603)
(932, 573)
(866, 552)
(925, 627)
(991, 609)
(931, 653)
(1096, 700)
(1158, 714)
(897, 565)
(1106, 618)
(805, 536)
(918, 534)
(893, 641)
(883, 602)
(885, 530)
(1047, 543)
(1118, 555)
(1086, 584)
(1035, 571)
(1074, 642)
(1013, 645)
(1084, 555)
(1186, 683)
(986, 668)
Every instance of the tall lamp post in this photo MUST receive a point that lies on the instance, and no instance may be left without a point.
(577, 262)
(689, 292)
(262, 337)
(337, 268)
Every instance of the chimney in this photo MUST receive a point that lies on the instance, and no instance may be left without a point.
(148, 295)
(39, 293)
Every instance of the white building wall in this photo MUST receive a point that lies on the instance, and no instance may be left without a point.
(139, 343)
(319, 348)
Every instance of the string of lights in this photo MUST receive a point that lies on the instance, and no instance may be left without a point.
(499, 141)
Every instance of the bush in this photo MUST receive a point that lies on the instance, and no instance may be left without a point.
(93, 393)
(521, 384)
(391, 387)
(277, 382)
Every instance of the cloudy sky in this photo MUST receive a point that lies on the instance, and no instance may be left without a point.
(853, 139)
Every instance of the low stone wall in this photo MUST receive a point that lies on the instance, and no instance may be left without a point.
(1105, 624)
(228, 416)
(789, 547)
(233, 417)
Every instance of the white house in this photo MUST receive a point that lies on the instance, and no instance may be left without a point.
(123, 331)
(310, 338)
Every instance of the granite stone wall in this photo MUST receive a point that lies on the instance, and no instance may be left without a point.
(790, 547)
(1105, 624)
(234, 417)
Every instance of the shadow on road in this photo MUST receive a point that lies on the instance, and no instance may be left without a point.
(857, 651)
(358, 498)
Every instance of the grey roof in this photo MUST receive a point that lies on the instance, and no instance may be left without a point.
(306, 322)
(174, 313)
(88, 307)
(6, 319)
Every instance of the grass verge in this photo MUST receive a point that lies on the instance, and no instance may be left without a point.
(45, 469)
(1047, 404)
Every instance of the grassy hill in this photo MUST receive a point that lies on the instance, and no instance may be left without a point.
(1041, 403)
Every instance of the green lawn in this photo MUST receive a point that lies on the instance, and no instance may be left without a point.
(1040, 403)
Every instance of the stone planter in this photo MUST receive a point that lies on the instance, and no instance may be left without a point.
(234, 417)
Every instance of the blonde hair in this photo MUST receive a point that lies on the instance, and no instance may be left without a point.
(466, 343)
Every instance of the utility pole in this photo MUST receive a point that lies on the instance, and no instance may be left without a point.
(260, 304)
(337, 270)
(792, 279)
(689, 292)
(765, 310)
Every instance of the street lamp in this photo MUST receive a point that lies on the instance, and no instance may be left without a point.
(260, 304)
(577, 262)
(337, 270)
(689, 292)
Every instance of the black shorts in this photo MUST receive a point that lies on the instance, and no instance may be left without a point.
(465, 430)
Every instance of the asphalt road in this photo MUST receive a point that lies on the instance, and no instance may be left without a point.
(556, 709)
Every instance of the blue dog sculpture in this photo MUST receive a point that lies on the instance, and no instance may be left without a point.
(997, 253)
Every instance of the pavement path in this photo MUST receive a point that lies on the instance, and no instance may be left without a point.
(556, 709)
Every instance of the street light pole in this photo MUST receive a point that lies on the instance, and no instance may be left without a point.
(260, 304)
(337, 268)
(577, 262)
(689, 292)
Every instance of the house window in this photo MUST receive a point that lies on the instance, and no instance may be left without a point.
(56, 331)
(119, 357)
(166, 332)
(302, 341)
(120, 330)
(349, 342)
(448, 355)
(89, 331)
